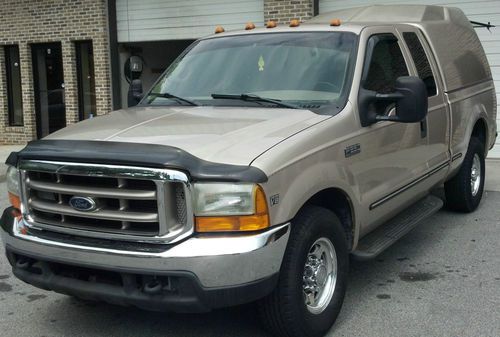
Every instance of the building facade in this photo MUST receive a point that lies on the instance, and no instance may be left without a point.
(54, 66)
(75, 58)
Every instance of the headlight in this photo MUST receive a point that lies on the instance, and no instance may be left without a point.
(13, 186)
(224, 199)
(222, 207)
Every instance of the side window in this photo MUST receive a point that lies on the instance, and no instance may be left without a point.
(385, 65)
(421, 62)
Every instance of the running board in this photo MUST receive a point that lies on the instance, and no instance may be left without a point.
(381, 238)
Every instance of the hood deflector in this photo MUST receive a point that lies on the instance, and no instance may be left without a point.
(133, 154)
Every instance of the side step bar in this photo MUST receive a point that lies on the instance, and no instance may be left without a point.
(381, 238)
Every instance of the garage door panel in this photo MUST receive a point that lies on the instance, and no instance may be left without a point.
(176, 33)
(493, 59)
(494, 19)
(491, 47)
(495, 71)
(489, 36)
(190, 12)
(476, 7)
(156, 20)
(202, 20)
(144, 5)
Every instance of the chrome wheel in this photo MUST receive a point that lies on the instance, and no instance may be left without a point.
(475, 175)
(320, 275)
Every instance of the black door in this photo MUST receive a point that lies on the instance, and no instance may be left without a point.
(49, 88)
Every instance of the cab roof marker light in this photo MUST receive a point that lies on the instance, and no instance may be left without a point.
(295, 23)
(271, 24)
(219, 29)
(335, 22)
(249, 26)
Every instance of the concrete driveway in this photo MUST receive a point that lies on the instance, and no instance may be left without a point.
(442, 279)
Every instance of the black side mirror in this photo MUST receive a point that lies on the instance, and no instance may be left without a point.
(410, 98)
(134, 93)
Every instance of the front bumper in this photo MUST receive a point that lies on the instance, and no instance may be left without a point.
(239, 268)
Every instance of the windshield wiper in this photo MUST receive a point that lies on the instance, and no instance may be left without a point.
(254, 98)
(171, 96)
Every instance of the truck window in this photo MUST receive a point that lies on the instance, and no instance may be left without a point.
(421, 62)
(300, 68)
(386, 65)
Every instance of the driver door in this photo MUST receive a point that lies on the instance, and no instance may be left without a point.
(394, 154)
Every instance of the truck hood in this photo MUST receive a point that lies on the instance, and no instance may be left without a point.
(231, 135)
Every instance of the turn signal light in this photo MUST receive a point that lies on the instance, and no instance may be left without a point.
(294, 23)
(250, 26)
(271, 24)
(335, 22)
(257, 221)
(14, 200)
(219, 29)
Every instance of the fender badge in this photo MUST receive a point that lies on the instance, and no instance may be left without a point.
(274, 199)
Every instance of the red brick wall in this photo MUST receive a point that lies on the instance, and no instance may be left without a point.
(25, 22)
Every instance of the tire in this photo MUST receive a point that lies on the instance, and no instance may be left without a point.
(284, 312)
(462, 194)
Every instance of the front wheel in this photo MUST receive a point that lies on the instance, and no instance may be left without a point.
(465, 190)
(313, 277)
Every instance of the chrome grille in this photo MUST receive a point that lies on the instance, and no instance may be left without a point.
(131, 203)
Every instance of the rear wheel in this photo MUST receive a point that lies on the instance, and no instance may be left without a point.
(465, 190)
(313, 277)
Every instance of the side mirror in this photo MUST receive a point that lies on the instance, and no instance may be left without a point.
(134, 95)
(410, 98)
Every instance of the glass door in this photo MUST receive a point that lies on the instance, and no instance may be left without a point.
(48, 80)
(86, 83)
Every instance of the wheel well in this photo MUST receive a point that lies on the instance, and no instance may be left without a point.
(480, 131)
(338, 202)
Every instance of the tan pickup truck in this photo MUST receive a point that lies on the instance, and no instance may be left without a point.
(259, 161)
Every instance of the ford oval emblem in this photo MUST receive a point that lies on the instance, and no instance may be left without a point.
(83, 204)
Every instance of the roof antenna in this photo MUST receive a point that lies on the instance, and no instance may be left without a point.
(477, 24)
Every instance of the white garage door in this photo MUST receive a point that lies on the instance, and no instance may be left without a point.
(476, 10)
(155, 20)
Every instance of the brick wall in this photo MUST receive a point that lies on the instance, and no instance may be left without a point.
(282, 11)
(25, 22)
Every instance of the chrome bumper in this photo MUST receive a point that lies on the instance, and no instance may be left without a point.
(217, 261)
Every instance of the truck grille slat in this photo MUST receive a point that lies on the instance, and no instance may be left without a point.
(119, 193)
(81, 225)
(129, 203)
(99, 214)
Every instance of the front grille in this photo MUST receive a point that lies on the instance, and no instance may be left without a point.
(130, 203)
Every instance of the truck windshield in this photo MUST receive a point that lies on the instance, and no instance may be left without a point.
(306, 69)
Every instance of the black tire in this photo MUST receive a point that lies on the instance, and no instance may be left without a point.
(458, 190)
(284, 312)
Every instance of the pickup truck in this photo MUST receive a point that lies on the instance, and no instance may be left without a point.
(259, 162)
